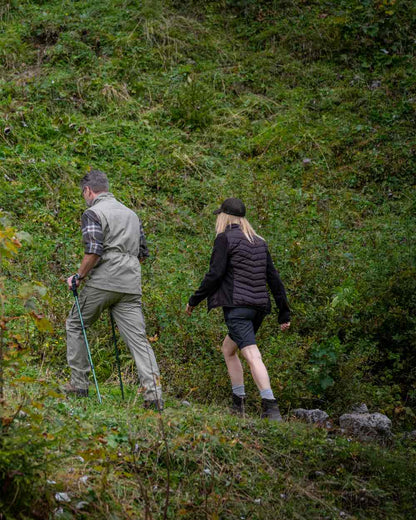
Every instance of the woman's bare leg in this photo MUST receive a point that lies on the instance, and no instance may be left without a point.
(258, 370)
(234, 366)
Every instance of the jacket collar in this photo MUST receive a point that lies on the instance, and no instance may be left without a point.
(102, 196)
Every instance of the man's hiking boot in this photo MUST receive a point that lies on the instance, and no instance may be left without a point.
(156, 405)
(70, 389)
(238, 406)
(270, 410)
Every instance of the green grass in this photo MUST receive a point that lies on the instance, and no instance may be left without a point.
(112, 460)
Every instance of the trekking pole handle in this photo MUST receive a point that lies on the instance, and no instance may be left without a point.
(74, 284)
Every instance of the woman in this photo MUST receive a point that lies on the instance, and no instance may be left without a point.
(240, 270)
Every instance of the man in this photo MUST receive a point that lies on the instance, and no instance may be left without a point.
(115, 245)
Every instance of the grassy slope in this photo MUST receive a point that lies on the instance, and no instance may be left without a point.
(111, 460)
(184, 105)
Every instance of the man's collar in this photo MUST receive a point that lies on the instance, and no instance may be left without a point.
(102, 196)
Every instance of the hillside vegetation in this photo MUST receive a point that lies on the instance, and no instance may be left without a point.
(305, 110)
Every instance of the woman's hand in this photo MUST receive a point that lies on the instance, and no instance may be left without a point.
(284, 326)
(189, 309)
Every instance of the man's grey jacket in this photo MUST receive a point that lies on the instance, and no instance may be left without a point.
(119, 267)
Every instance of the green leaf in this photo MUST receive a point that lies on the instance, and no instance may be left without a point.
(42, 323)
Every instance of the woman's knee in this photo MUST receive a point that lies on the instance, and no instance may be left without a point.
(251, 354)
(229, 348)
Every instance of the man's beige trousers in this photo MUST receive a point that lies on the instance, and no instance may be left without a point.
(127, 312)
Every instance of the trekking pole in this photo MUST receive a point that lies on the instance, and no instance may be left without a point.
(117, 354)
(75, 293)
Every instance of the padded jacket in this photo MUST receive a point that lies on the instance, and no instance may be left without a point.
(239, 274)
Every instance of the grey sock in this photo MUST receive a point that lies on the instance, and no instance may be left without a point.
(266, 393)
(239, 390)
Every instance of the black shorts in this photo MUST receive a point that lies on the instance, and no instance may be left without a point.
(243, 323)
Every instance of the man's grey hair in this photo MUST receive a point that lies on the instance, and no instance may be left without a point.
(95, 180)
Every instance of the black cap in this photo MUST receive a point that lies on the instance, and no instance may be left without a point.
(232, 207)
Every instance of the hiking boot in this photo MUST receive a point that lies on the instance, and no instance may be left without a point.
(70, 389)
(238, 405)
(270, 410)
(156, 405)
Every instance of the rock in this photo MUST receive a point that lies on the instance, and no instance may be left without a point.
(306, 161)
(311, 416)
(409, 436)
(62, 497)
(359, 408)
(185, 403)
(366, 426)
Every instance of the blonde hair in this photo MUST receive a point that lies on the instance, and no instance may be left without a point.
(224, 221)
